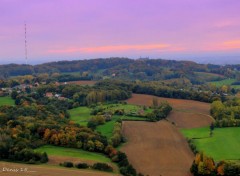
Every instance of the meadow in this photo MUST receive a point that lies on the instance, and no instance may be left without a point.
(71, 152)
(80, 115)
(107, 128)
(6, 101)
(208, 76)
(223, 145)
(126, 107)
(225, 82)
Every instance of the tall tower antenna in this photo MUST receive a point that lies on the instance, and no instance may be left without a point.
(26, 56)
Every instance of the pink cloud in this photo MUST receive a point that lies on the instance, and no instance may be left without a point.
(99, 49)
(232, 44)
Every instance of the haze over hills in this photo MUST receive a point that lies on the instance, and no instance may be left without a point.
(214, 59)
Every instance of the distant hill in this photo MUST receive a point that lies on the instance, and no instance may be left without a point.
(128, 69)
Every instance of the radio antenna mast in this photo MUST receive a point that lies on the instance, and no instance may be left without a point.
(26, 56)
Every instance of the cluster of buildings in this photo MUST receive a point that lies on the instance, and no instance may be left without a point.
(22, 88)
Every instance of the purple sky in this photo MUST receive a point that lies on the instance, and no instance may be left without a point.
(81, 29)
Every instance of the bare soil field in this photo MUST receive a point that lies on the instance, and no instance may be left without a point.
(185, 114)
(189, 119)
(157, 148)
(187, 105)
(45, 170)
(81, 82)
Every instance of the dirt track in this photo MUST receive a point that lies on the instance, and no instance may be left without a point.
(157, 149)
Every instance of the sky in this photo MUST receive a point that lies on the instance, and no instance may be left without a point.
(85, 29)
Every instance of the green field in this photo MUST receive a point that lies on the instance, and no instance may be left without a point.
(207, 76)
(80, 115)
(6, 101)
(107, 128)
(126, 107)
(225, 82)
(70, 152)
(223, 145)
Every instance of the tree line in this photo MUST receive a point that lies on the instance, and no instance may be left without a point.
(204, 165)
(226, 114)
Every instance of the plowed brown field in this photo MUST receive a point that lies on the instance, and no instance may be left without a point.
(45, 170)
(159, 148)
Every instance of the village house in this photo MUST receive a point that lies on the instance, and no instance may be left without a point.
(49, 94)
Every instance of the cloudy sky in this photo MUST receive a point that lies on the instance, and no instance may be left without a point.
(82, 29)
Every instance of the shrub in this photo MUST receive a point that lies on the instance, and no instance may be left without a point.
(128, 170)
(102, 167)
(124, 162)
(81, 165)
(231, 169)
(67, 164)
(44, 158)
(192, 146)
(29, 156)
(92, 124)
(31, 161)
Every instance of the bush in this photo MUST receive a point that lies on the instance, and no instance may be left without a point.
(192, 146)
(81, 165)
(231, 169)
(31, 161)
(67, 164)
(116, 138)
(128, 170)
(44, 158)
(92, 125)
(29, 156)
(102, 167)
(123, 163)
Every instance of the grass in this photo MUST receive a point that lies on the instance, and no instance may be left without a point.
(6, 101)
(128, 108)
(208, 76)
(223, 145)
(80, 115)
(225, 82)
(70, 152)
(107, 128)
